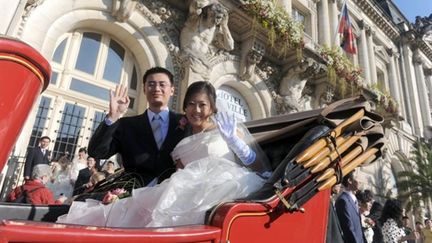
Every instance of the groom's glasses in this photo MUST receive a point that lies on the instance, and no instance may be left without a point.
(162, 85)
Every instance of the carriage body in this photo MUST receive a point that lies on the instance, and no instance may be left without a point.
(261, 219)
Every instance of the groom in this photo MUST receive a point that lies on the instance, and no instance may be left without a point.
(144, 141)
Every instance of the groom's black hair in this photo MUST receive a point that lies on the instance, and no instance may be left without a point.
(198, 87)
(154, 70)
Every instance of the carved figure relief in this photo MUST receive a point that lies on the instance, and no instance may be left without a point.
(122, 9)
(423, 26)
(252, 54)
(204, 35)
(292, 89)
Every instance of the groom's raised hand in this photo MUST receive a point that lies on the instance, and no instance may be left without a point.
(119, 102)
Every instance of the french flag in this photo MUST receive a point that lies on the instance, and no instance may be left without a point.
(347, 35)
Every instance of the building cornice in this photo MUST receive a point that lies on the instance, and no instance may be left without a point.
(425, 48)
(377, 16)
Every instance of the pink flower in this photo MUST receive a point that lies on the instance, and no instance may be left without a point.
(182, 123)
(109, 198)
(114, 195)
(118, 191)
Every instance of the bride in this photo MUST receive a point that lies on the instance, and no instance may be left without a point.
(212, 166)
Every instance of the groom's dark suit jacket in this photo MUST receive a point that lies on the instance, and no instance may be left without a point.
(133, 138)
(35, 157)
(349, 219)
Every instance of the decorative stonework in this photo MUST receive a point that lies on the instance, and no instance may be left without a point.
(30, 6)
(168, 22)
(422, 32)
(363, 25)
(252, 53)
(122, 9)
(423, 26)
(325, 93)
(417, 59)
(369, 30)
(204, 38)
(292, 95)
(375, 14)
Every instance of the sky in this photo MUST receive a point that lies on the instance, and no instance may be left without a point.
(413, 8)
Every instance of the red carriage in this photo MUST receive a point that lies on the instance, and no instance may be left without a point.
(294, 206)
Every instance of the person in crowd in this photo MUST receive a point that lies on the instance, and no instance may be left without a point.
(110, 168)
(37, 155)
(375, 215)
(94, 179)
(144, 141)
(391, 220)
(61, 181)
(406, 227)
(365, 200)
(335, 192)
(79, 162)
(427, 231)
(347, 210)
(419, 228)
(334, 230)
(84, 176)
(216, 162)
(36, 192)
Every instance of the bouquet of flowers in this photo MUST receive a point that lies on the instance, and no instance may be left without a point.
(115, 195)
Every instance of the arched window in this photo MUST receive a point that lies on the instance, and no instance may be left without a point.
(85, 66)
(91, 63)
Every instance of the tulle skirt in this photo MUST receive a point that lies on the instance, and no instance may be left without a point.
(181, 200)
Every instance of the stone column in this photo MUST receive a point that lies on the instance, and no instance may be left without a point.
(363, 53)
(11, 16)
(422, 90)
(428, 78)
(323, 23)
(334, 19)
(371, 54)
(394, 80)
(415, 117)
(406, 109)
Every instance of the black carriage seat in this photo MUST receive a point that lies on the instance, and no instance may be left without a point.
(21, 211)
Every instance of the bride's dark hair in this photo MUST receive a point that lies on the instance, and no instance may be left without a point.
(201, 87)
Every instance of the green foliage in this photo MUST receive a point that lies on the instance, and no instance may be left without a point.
(415, 185)
(343, 70)
(386, 105)
(281, 27)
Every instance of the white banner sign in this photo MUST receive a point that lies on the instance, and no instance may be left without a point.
(229, 100)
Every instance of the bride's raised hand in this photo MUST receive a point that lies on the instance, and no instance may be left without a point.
(227, 125)
(119, 102)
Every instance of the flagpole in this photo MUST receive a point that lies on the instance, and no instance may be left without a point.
(338, 25)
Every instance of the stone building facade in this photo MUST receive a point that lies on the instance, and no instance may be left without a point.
(95, 45)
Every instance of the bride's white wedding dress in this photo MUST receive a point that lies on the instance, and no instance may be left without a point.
(210, 176)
